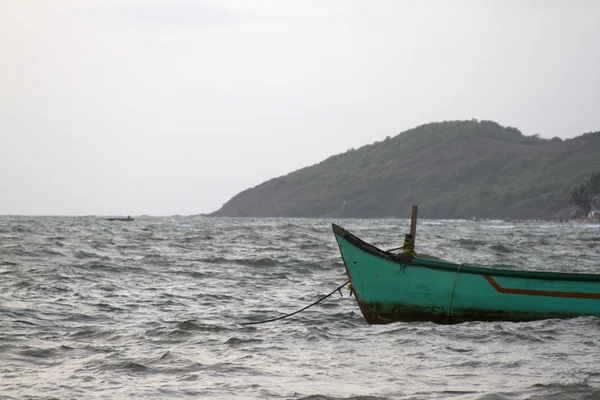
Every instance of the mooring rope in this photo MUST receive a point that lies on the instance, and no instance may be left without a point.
(302, 309)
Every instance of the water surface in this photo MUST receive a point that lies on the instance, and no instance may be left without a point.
(153, 309)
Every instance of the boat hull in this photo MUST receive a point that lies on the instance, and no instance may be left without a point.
(397, 287)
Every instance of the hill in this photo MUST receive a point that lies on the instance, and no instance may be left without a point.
(452, 169)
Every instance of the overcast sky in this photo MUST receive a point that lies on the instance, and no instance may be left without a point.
(174, 106)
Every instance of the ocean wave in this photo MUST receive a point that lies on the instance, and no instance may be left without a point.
(500, 248)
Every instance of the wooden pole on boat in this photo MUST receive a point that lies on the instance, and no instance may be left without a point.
(409, 240)
(413, 222)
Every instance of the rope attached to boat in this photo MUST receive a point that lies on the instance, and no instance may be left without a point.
(409, 245)
(338, 289)
(452, 293)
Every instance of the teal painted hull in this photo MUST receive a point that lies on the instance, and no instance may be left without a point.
(397, 287)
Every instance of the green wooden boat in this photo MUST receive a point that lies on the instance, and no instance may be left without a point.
(392, 287)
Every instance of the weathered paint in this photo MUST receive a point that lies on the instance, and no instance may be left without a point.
(390, 287)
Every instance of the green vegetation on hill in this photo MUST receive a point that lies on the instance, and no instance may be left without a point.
(581, 196)
(455, 169)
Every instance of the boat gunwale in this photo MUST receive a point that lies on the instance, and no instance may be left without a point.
(406, 259)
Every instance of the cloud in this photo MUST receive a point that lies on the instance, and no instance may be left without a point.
(164, 14)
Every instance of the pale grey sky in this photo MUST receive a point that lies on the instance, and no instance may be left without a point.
(173, 106)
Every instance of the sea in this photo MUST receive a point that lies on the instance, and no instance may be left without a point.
(154, 309)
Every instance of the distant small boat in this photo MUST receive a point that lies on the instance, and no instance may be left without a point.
(128, 219)
(392, 287)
